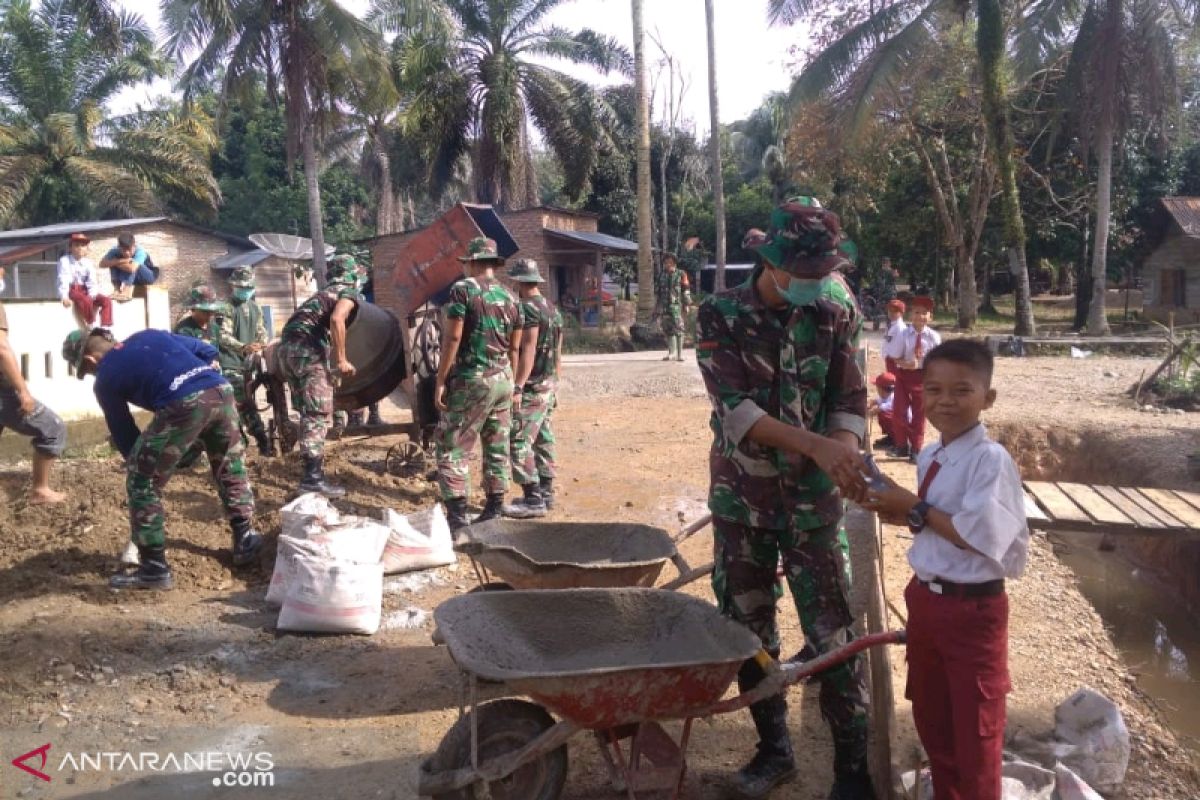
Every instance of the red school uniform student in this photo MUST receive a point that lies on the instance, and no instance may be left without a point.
(893, 337)
(908, 428)
(969, 535)
(79, 285)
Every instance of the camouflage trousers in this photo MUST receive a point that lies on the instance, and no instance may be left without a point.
(247, 407)
(208, 418)
(478, 409)
(532, 436)
(672, 320)
(816, 565)
(308, 375)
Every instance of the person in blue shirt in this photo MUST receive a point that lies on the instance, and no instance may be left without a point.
(176, 377)
(129, 265)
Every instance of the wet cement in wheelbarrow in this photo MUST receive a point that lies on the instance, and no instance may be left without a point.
(521, 635)
(581, 544)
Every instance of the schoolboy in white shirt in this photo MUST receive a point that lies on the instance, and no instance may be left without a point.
(909, 409)
(893, 337)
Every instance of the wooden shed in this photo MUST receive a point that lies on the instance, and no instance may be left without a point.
(1172, 270)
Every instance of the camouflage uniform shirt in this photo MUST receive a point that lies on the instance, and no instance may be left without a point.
(219, 333)
(538, 312)
(309, 325)
(487, 330)
(797, 365)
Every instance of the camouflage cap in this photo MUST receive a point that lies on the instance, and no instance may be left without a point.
(73, 349)
(242, 278)
(203, 298)
(482, 248)
(345, 269)
(804, 238)
(525, 270)
(754, 239)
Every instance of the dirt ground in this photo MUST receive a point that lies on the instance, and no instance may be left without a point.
(202, 668)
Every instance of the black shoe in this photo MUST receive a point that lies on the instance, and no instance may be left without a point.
(354, 419)
(900, 452)
(528, 507)
(546, 490)
(246, 543)
(806, 653)
(456, 513)
(152, 573)
(854, 785)
(314, 479)
(264, 444)
(882, 443)
(912, 458)
(492, 509)
(765, 771)
(373, 417)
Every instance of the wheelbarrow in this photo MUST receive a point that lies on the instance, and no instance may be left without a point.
(615, 662)
(521, 554)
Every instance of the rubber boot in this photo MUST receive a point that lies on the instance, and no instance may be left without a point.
(264, 444)
(456, 513)
(851, 779)
(246, 542)
(528, 507)
(546, 489)
(153, 572)
(373, 417)
(774, 763)
(679, 347)
(354, 419)
(492, 509)
(314, 479)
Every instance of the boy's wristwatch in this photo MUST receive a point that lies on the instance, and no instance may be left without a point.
(916, 516)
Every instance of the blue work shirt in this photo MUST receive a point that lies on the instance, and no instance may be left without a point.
(151, 369)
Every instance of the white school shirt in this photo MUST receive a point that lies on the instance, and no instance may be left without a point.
(979, 487)
(893, 340)
(885, 403)
(71, 271)
(929, 337)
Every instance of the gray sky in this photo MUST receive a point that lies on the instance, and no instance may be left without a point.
(752, 59)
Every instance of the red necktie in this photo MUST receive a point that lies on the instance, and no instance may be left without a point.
(929, 476)
(919, 350)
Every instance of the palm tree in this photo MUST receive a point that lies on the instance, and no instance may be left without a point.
(467, 69)
(645, 202)
(714, 145)
(293, 43)
(60, 156)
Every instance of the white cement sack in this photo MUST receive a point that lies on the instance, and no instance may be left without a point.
(353, 539)
(286, 551)
(1070, 786)
(332, 597)
(304, 509)
(1094, 725)
(417, 541)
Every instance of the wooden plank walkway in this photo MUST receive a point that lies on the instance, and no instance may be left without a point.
(1112, 509)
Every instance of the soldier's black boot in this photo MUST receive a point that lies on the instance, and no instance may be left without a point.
(851, 778)
(528, 507)
(547, 492)
(456, 513)
(314, 479)
(152, 573)
(264, 443)
(491, 509)
(354, 419)
(373, 417)
(774, 763)
(246, 542)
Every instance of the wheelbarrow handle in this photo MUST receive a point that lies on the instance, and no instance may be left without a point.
(692, 529)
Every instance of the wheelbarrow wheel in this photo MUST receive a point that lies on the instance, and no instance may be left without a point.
(505, 726)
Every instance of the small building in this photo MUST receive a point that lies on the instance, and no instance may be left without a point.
(567, 246)
(184, 254)
(1172, 270)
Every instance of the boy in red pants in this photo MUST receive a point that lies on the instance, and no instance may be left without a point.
(893, 338)
(969, 535)
(880, 407)
(79, 285)
(908, 428)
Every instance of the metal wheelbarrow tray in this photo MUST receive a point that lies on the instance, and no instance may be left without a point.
(567, 555)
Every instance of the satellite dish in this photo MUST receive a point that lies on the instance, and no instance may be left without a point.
(283, 245)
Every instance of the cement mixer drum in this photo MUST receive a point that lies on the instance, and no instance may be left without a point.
(375, 346)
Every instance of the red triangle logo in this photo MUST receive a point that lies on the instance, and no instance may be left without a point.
(19, 762)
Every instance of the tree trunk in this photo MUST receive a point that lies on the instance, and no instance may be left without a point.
(1083, 284)
(1106, 122)
(968, 296)
(645, 202)
(714, 147)
(316, 227)
(990, 42)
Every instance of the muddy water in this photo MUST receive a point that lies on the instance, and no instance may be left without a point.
(1158, 639)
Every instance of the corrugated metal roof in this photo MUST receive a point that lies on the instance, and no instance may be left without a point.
(1186, 213)
(601, 241)
(15, 252)
(67, 228)
(249, 258)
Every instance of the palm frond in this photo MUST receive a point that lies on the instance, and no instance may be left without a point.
(564, 110)
(111, 187)
(531, 17)
(789, 12)
(193, 24)
(582, 47)
(1042, 32)
(17, 176)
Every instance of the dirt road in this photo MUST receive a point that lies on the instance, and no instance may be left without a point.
(202, 669)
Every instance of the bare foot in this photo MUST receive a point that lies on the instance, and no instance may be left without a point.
(45, 497)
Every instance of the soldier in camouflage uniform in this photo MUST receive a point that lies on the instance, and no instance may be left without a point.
(534, 400)
(674, 299)
(175, 377)
(313, 340)
(243, 322)
(474, 389)
(789, 404)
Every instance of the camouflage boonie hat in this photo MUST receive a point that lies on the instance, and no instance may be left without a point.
(203, 298)
(525, 270)
(754, 239)
(482, 248)
(72, 350)
(242, 278)
(345, 269)
(804, 238)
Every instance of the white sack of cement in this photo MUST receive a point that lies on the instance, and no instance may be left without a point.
(305, 509)
(405, 620)
(130, 555)
(1094, 725)
(1019, 781)
(1077, 353)
(326, 596)
(287, 548)
(1069, 786)
(417, 541)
